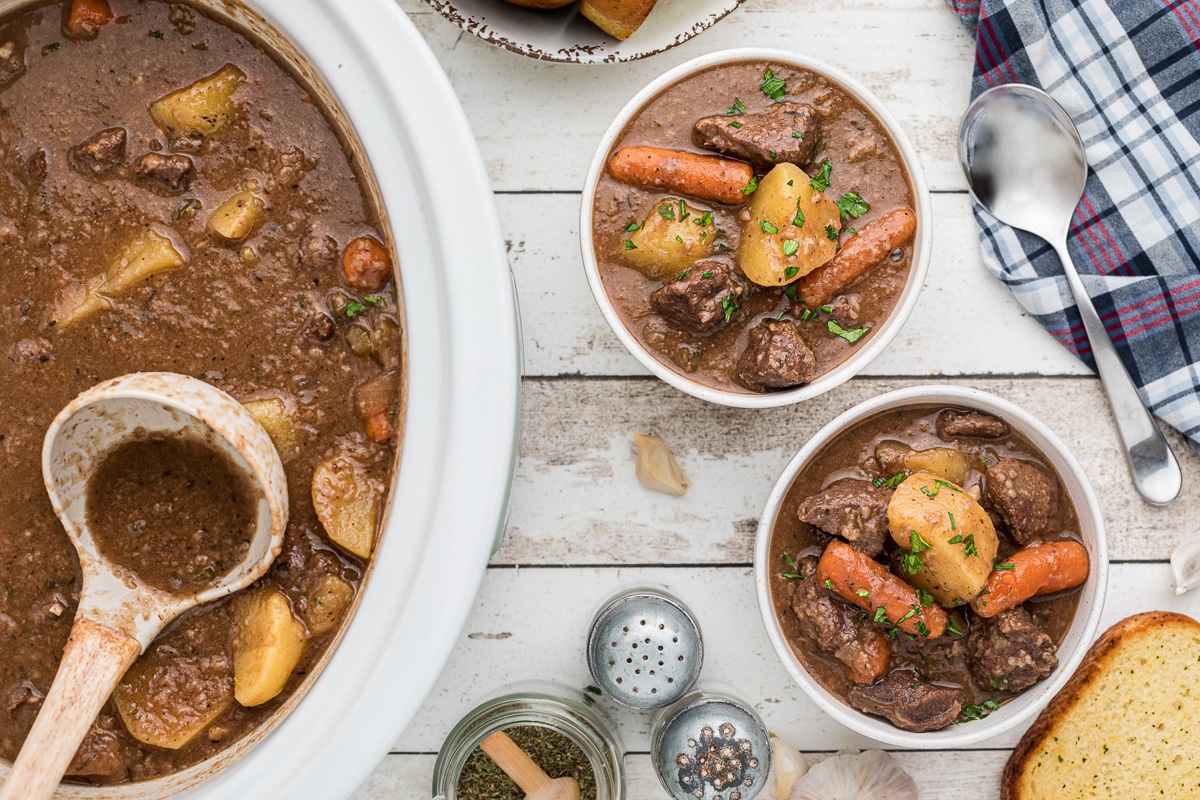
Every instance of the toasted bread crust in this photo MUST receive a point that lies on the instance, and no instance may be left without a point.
(1097, 661)
(618, 18)
(542, 4)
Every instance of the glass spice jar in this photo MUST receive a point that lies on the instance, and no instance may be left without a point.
(569, 712)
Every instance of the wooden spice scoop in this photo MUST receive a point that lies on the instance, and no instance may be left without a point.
(517, 764)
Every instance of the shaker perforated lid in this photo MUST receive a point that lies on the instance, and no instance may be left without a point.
(644, 649)
(711, 747)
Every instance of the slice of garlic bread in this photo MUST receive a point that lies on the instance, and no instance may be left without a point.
(617, 18)
(1127, 724)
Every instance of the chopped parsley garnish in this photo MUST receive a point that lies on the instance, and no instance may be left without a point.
(793, 576)
(969, 545)
(999, 682)
(156, 34)
(947, 484)
(735, 124)
(736, 108)
(831, 233)
(852, 335)
(374, 300)
(890, 483)
(354, 308)
(852, 206)
(751, 186)
(953, 524)
(849, 231)
(922, 628)
(666, 211)
(1009, 566)
(705, 219)
(925, 490)
(880, 614)
(767, 227)
(808, 314)
(791, 562)
(792, 291)
(629, 245)
(797, 135)
(925, 597)
(789, 272)
(771, 153)
(633, 226)
(954, 539)
(972, 712)
(827, 309)
(820, 181)
(829, 584)
(772, 86)
(706, 274)
(916, 543)
(679, 238)
(953, 627)
(798, 220)
(911, 564)
(862, 593)
(683, 210)
(684, 274)
(790, 248)
(912, 612)
(778, 317)
(729, 306)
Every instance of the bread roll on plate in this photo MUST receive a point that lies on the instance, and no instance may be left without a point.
(543, 4)
(619, 18)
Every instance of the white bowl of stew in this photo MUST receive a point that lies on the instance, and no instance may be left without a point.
(323, 148)
(836, 273)
(946, 702)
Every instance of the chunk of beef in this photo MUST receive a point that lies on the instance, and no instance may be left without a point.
(839, 629)
(697, 301)
(754, 137)
(1024, 496)
(846, 309)
(1009, 652)
(852, 509)
(970, 423)
(99, 754)
(12, 62)
(99, 153)
(909, 701)
(775, 357)
(317, 251)
(321, 326)
(168, 174)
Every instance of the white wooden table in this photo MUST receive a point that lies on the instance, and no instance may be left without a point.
(582, 526)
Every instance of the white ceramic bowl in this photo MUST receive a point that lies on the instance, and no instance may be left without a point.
(1079, 636)
(864, 355)
(462, 397)
(566, 35)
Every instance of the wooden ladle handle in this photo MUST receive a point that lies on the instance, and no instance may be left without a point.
(95, 658)
(515, 762)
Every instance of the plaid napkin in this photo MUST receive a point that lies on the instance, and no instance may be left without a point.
(1128, 73)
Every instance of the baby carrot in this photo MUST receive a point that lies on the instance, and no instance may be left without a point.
(1037, 569)
(706, 177)
(862, 580)
(862, 251)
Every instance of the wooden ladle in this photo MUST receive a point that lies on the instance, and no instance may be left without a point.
(119, 615)
(517, 764)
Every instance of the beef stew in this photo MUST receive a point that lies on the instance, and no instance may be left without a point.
(175, 197)
(926, 564)
(753, 226)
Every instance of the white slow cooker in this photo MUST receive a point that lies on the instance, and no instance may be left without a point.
(459, 440)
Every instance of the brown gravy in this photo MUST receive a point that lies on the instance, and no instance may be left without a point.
(174, 511)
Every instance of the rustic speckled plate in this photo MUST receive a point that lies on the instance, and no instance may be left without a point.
(565, 35)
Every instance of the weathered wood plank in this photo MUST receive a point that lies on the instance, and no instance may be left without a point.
(576, 500)
(940, 775)
(530, 624)
(538, 123)
(966, 322)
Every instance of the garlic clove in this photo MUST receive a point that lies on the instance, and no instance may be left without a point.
(787, 766)
(656, 466)
(873, 775)
(1185, 564)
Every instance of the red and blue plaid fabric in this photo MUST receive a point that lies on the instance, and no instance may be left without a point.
(1128, 73)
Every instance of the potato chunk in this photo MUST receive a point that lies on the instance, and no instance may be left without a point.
(149, 253)
(950, 541)
(346, 503)
(945, 462)
(167, 698)
(328, 604)
(203, 107)
(672, 238)
(278, 418)
(268, 642)
(236, 216)
(788, 235)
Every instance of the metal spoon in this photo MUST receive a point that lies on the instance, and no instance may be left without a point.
(1024, 162)
(118, 614)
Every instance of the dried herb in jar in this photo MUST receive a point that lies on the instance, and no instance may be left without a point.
(557, 755)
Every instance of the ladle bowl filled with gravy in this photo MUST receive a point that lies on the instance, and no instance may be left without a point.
(242, 193)
(755, 227)
(931, 567)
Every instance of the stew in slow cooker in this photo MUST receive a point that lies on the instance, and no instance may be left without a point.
(753, 226)
(926, 564)
(174, 197)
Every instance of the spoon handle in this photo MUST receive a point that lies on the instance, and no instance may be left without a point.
(1155, 471)
(93, 662)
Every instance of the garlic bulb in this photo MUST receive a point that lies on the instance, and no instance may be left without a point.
(872, 775)
(787, 766)
(657, 468)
